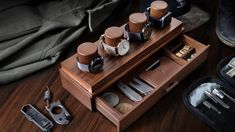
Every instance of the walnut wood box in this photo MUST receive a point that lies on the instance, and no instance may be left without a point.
(88, 87)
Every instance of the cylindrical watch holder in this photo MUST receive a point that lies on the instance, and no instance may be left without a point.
(88, 58)
(113, 41)
(158, 14)
(138, 27)
(158, 9)
(113, 36)
(137, 22)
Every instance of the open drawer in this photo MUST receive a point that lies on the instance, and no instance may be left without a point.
(162, 79)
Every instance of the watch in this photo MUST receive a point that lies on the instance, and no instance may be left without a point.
(143, 35)
(121, 49)
(95, 65)
(161, 23)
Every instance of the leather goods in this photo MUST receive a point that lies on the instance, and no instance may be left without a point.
(138, 28)
(113, 41)
(220, 115)
(213, 114)
(143, 35)
(88, 59)
(158, 15)
(158, 9)
(94, 67)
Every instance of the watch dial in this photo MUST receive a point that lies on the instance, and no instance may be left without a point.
(147, 32)
(123, 47)
(96, 65)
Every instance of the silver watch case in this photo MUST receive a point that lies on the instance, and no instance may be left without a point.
(116, 51)
(146, 31)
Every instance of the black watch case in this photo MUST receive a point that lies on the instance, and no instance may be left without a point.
(96, 65)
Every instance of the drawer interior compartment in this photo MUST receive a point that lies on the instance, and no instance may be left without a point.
(161, 79)
(184, 49)
(115, 68)
(162, 74)
(134, 109)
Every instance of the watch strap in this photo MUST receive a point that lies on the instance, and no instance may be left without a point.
(161, 23)
(131, 35)
(110, 49)
(83, 67)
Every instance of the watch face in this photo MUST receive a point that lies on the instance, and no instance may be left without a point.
(147, 32)
(96, 65)
(123, 47)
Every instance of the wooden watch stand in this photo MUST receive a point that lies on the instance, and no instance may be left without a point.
(88, 87)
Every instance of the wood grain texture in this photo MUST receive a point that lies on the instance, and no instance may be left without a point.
(169, 79)
(116, 67)
(168, 115)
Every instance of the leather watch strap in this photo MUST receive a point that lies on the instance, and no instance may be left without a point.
(161, 23)
(132, 36)
(109, 49)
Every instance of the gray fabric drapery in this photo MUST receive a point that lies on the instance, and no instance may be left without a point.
(33, 33)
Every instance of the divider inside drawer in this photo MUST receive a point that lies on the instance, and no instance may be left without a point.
(152, 79)
(161, 74)
(183, 49)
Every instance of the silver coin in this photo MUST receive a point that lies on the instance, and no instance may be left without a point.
(124, 107)
(111, 98)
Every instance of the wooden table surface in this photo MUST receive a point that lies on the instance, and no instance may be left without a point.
(168, 115)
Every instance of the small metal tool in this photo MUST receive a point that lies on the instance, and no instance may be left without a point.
(32, 114)
(228, 96)
(218, 93)
(56, 109)
(210, 106)
(153, 66)
(140, 86)
(58, 113)
(130, 93)
(216, 99)
(47, 96)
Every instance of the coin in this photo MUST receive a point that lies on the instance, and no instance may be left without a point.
(124, 107)
(111, 98)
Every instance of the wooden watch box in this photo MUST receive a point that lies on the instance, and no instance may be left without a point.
(88, 87)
